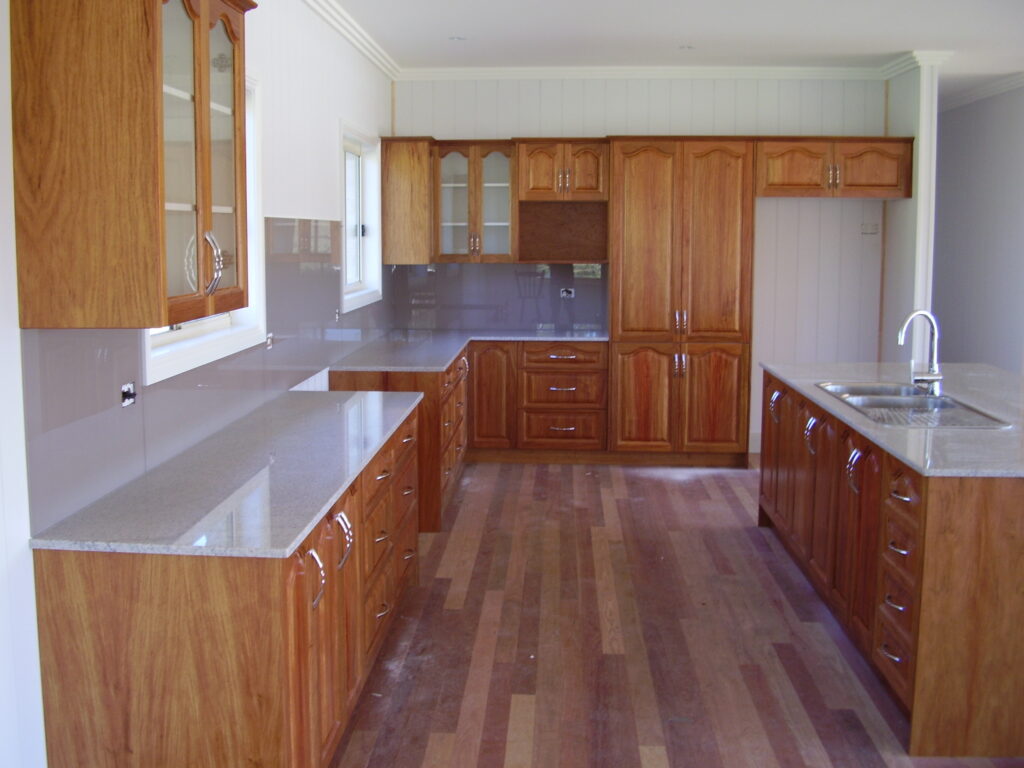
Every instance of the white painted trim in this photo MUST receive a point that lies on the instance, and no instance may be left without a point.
(913, 60)
(641, 73)
(332, 12)
(926, 148)
(983, 91)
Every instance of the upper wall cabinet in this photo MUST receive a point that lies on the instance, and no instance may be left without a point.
(563, 170)
(129, 161)
(475, 199)
(878, 168)
(407, 201)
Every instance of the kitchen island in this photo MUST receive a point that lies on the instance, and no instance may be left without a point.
(914, 537)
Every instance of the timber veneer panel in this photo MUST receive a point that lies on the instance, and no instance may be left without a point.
(407, 200)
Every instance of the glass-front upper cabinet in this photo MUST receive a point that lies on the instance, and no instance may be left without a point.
(476, 204)
(131, 202)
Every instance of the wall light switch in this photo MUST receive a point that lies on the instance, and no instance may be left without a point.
(127, 394)
(568, 293)
(869, 228)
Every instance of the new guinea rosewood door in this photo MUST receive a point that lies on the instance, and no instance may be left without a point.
(643, 402)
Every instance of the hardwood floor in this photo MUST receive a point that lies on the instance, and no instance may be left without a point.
(618, 616)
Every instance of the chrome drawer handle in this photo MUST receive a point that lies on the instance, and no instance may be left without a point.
(384, 475)
(448, 423)
(561, 389)
(851, 467)
(460, 404)
(323, 576)
(409, 491)
(904, 552)
(562, 429)
(900, 497)
(808, 434)
(458, 448)
(895, 606)
(409, 554)
(407, 440)
(771, 405)
(890, 656)
(561, 357)
(349, 535)
(384, 536)
(383, 613)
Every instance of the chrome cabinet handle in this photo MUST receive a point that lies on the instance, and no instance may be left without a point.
(682, 364)
(459, 448)
(561, 389)
(561, 175)
(408, 491)
(448, 423)
(895, 548)
(831, 176)
(771, 405)
(218, 262)
(384, 475)
(894, 605)
(323, 576)
(409, 554)
(568, 176)
(465, 362)
(348, 534)
(407, 440)
(686, 323)
(386, 610)
(679, 320)
(562, 429)
(851, 467)
(384, 536)
(900, 497)
(561, 357)
(838, 182)
(675, 364)
(460, 404)
(808, 432)
(890, 656)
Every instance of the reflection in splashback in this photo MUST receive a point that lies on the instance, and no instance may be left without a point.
(499, 296)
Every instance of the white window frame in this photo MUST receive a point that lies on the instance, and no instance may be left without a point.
(169, 352)
(369, 289)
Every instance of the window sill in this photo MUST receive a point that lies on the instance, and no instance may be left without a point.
(180, 356)
(358, 299)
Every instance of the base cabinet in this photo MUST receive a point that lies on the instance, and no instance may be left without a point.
(923, 573)
(168, 660)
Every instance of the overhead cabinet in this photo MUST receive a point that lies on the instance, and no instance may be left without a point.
(476, 202)
(563, 170)
(407, 201)
(129, 161)
(875, 168)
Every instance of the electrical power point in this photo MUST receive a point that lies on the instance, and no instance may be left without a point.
(869, 228)
(568, 293)
(127, 394)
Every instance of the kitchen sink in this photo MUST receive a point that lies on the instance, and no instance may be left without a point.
(905, 405)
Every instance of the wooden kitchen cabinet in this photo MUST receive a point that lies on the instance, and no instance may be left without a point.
(492, 394)
(644, 400)
(714, 382)
(407, 200)
(874, 168)
(476, 210)
(575, 170)
(130, 207)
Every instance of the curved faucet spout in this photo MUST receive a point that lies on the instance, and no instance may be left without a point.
(933, 378)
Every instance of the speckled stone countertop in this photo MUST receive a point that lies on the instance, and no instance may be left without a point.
(254, 489)
(432, 351)
(947, 452)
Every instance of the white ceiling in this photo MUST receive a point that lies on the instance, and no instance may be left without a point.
(986, 37)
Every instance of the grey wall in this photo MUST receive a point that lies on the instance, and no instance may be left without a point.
(978, 293)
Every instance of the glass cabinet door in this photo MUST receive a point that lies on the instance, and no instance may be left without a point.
(454, 208)
(496, 203)
(223, 179)
(179, 124)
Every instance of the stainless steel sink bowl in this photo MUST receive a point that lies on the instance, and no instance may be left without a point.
(870, 388)
(904, 405)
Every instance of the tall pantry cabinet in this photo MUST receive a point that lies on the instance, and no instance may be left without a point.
(681, 244)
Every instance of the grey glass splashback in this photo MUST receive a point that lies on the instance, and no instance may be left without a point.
(498, 296)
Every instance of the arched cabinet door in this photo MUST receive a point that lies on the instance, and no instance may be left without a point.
(643, 407)
(715, 411)
(492, 401)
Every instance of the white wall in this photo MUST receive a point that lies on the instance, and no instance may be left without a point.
(816, 277)
(979, 236)
(21, 714)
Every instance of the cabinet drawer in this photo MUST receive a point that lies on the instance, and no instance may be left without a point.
(896, 601)
(406, 550)
(893, 657)
(904, 489)
(899, 543)
(377, 530)
(539, 354)
(406, 491)
(564, 430)
(403, 444)
(566, 389)
(378, 605)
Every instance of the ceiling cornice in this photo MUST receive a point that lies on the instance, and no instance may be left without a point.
(913, 60)
(643, 73)
(983, 91)
(336, 16)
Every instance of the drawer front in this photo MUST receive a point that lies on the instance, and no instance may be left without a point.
(893, 657)
(562, 430)
(405, 439)
(900, 543)
(406, 491)
(904, 489)
(377, 534)
(544, 388)
(538, 354)
(406, 550)
(378, 606)
(896, 601)
(379, 472)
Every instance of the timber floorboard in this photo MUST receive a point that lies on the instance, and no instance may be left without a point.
(590, 616)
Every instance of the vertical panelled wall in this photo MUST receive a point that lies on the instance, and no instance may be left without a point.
(816, 273)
